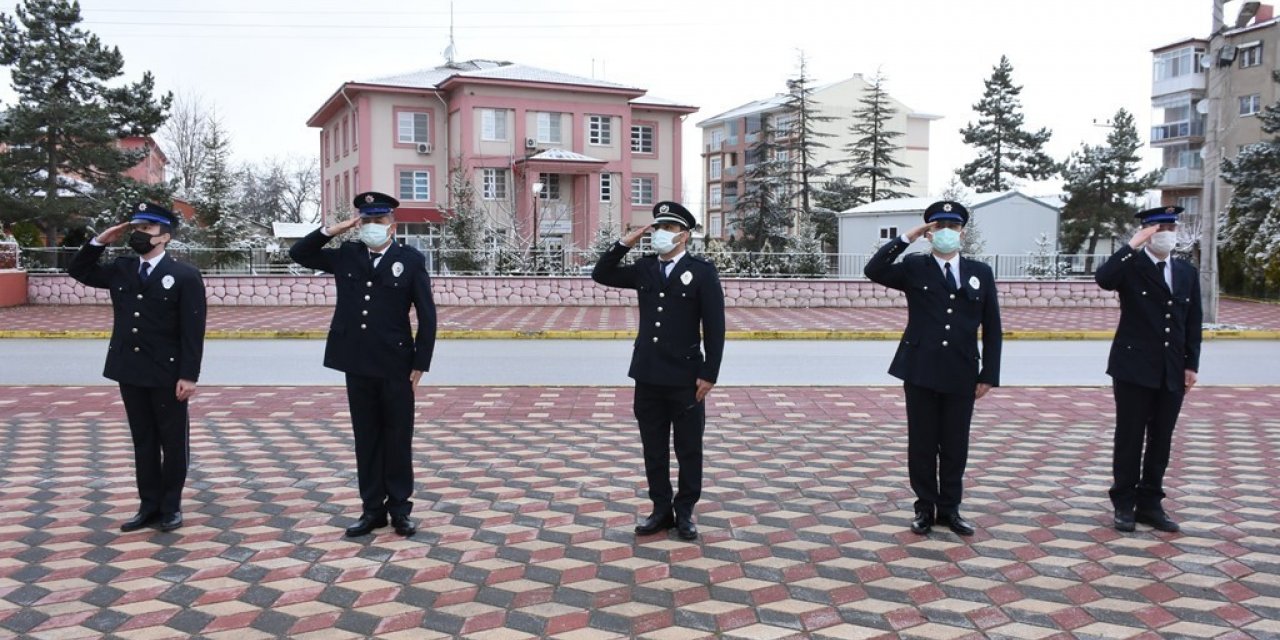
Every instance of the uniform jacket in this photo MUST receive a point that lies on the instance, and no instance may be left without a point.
(939, 348)
(157, 336)
(669, 348)
(1158, 337)
(370, 333)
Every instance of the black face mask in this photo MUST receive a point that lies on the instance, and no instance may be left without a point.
(140, 241)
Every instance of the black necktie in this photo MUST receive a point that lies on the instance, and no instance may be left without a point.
(662, 267)
(1160, 265)
(951, 281)
(144, 270)
(373, 258)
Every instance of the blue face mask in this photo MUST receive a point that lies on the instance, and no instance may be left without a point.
(946, 241)
(374, 235)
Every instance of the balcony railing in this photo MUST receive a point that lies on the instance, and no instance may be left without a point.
(1181, 177)
(1172, 130)
(731, 172)
(715, 146)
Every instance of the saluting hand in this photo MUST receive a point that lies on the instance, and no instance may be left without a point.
(114, 233)
(632, 238)
(704, 388)
(1143, 236)
(342, 227)
(915, 233)
(186, 389)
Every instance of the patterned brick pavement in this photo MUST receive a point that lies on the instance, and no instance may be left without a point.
(1237, 313)
(527, 496)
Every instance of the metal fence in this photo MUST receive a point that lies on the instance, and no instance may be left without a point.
(579, 262)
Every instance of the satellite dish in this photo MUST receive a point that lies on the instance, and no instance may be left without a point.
(1204, 153)
(1202, 107)
(1205, 62)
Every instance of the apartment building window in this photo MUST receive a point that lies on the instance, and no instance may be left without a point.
(1250, 54)
(888, 233)
(713, 196)
(355, 131)
(334, 136)
(715, 168)
(493, 185)
(783, 124)
(549, 127)
(641, 191)
(415, 184)
(346, 186)
(1251, 104)
(411, 127)
(1179, 62)
(783, 156)
(717, 139)
(715, 228)
(1190, 203)
(606, 187)
(324, 146)
(550, 186)
(641, 138)
(599, 130)
(355, 179)
(493, 124)
(346, 141)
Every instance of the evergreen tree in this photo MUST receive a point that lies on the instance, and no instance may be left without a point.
(806, 248)
(1102, 184)
(840, 194)
(215, 203)
(463, 231)
(1005, 149)
(63, 160)
(1249, 253)
(872, 152)
(802, 139)
(761, 212)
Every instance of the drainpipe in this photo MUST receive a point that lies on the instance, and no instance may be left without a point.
(448, 191)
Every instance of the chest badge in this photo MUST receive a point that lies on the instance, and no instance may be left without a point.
(167, 282)
(686, 278)
(397, 269)
(974, 283)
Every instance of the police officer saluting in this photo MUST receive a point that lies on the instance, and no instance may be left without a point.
(157, 341)
(679, 296)
(370, 339)
(948, 299)
(1154, 359)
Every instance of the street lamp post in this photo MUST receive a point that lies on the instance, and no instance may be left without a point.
(537, 232)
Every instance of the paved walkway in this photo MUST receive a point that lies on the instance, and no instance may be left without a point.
(527, 496)
(1240, 319)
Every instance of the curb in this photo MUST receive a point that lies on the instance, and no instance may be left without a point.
(596, 334)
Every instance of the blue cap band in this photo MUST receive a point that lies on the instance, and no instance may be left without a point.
(150, 217)
(945, 215)
(375, 210)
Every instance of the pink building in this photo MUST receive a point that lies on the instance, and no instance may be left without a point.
(149, 170)
(599, 153)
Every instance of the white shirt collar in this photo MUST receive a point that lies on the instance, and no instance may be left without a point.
(1155, 259)
(673, 260)
(954, 262)
(154, 262)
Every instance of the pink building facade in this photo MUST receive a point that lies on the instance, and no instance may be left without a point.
(600, 153)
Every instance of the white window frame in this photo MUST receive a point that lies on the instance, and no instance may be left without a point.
(715, 227)
(410, 126)
(714, 196)
(606, 187)
(640, 134)
(1251, 55)
(550, 186)
(715, 168)
(548, 125)
(600, 130)
(493, 125)
(642, 190)
(717, 139)
(1250, 104)
(493, 184)
(420, 185)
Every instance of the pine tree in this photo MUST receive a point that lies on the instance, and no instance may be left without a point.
(806, 247)
(1005, 149)
(762, 212)
(872, 153)
(802, 139)
(215, 203)
(464, 227)
(1249, 253)
(63, 161)
(1102, 184)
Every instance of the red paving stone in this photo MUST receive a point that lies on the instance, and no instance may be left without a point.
(1235, 313)
(527, 496)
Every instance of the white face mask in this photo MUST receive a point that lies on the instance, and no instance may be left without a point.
(945, 241)
(664, 241)
(374, 235)
(1163, 242)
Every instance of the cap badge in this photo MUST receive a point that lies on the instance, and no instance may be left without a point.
(368, 199)
(664, 209)
(946, 207)
(1169, 210)
(142, 206)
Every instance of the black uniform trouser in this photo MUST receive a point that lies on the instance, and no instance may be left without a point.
(382, 422)
(1142, 413)
(661, 410)
(161, 429)
(937, 446)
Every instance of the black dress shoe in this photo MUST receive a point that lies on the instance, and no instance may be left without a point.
(956, 523)
(657, 521)
(922, 523)
(685, 528)
(366, 523)
(404, 525)
(1157, 519)
(1124, 520)
(171, 521)
(138, 521)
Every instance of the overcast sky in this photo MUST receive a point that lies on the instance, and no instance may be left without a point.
(267, 65)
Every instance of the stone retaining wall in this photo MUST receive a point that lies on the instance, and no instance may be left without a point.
(521, 291)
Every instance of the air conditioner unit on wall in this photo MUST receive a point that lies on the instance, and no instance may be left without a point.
(424, 148)
(530, 143)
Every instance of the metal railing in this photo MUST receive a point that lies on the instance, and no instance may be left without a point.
(1183, 129)
(579, 262)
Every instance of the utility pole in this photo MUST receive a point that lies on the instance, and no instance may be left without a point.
(1215, 79)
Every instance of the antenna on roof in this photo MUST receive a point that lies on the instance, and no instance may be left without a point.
(449, 50)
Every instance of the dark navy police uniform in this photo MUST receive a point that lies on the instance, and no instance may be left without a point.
(938, 359)
(370, 339)
(157, 338)
(1156, 342)
(681, 315)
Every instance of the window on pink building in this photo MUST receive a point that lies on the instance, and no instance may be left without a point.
(412, 127)
(324, 147)
(641, 138)
(641, 191)
(334, 135)
(415, 184)
(346, 141)
(346, 186)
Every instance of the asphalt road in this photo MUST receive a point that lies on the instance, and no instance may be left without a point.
(604, 362)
